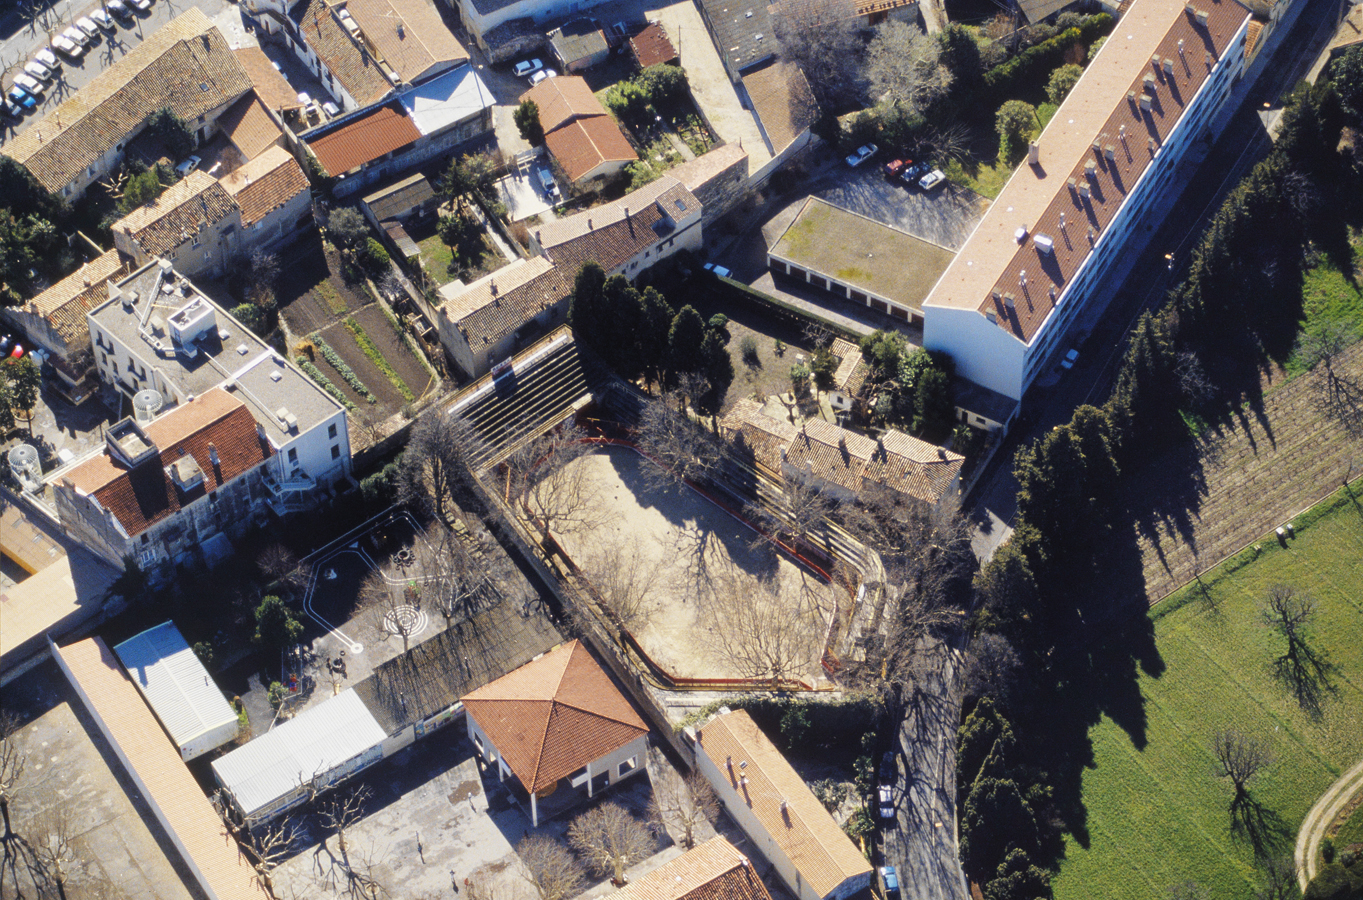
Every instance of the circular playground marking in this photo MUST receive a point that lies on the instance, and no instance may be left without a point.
(406, 620)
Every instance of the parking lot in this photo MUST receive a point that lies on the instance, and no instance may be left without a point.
(24, 39)
(945, 216)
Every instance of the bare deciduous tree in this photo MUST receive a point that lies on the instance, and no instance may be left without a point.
(53, 851)
(822, 40)
(1278, 879)
(461, 587)
(437, 460)
(12, 761)
(1240, 756)
(1306, 672)
(342, 811)
(757, 633)
(681, 803)
(903, 64)
(624, 578)
(991, 666)
(557, 495)
(680, 446)
(610, 840)
(554, 872)
(1339, 393)
(387, 604)
(270, 845)
(804, 510)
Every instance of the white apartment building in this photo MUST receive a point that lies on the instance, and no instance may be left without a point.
(1090, 189)
(158, 332)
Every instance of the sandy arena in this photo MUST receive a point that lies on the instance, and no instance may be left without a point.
(697, 569)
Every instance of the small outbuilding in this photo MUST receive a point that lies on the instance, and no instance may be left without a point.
(324, 745)
(179, 690)
(559, 727)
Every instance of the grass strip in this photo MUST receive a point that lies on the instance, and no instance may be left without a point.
(323, 381)
(333, 300)
(334, 358)
(376, 357)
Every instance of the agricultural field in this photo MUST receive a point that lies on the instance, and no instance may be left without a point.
(1158, 815)
(350, 344)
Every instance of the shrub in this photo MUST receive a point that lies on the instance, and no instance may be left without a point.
(748, 348)
(323, 381)
(334, 359)
(374, 259)
(527, 117)
(1327, 850)
(252, 316)
(1015, 122)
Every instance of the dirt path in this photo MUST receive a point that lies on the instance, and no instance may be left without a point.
(1319, 819)
(1239, 482)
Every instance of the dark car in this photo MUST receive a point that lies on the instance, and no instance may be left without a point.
(913, 173)
(889, 882)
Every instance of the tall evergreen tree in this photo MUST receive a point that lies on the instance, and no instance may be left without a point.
(684, 341)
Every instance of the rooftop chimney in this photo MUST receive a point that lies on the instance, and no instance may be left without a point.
(1034, 154)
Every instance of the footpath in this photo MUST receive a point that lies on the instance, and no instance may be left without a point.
(1319, 819)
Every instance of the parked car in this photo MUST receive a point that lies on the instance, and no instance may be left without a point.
(64, 44)
(87, 25)
(895, 167)
(914, 173)
(889, 882)
(1071, 357)
(546, 177)
(886, 804)
(719, 270)
(48, 58)
(864, 152)
(30, 84)
(75, 36)
(542, 74)
(119, 8)
(11, 110)
(22, 99)
(889, 768)
(103, 19)
(143, 5)
(38, 70)
(527, 67)
(189, 165)
(331, 109)
(933, 180)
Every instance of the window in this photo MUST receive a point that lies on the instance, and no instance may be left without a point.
(336, 451)
(331, 430)
(144, 538)
(293, 454)
(213, 497)
(627, 766)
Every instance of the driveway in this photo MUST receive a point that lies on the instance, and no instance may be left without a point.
(25, 39)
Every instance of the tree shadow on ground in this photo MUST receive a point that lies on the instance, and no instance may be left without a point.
(1260, 827)
(1307, 674)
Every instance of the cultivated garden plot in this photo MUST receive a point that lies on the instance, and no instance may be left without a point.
(702, 592)
(1158, 814)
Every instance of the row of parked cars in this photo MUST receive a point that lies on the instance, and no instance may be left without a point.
(906, 170)
(28, 87)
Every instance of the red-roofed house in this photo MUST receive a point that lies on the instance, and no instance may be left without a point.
(578, 131)
(557, 723)
(171, 489)
(715, 870)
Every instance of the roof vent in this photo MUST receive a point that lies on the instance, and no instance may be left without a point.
(1021, 234)
(1010, 301)
(993, 319)
(282, 413)
(1034, 154)
(291, 423)
(1201, 17)
(1044, 244)
(1169, 66)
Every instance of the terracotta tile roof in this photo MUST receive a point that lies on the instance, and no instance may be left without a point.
(185, 65)
(652, 47)
(364, 139)
(715, 870)
(554, 715)
(186, 207)
(867, 7)
(409, 35)
(583, 144)
(266, 183)
(837, 456)
(249, 127)
(822, 854)
(1103, 108)
(157, 770)
(349, 61)
(852, 369)
(140, 497)
(562, 99)
(66, 302)
(783, 102)
(528, 287)
(270, 85)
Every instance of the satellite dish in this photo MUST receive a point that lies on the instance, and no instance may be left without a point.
(146, 404)
(25, 467)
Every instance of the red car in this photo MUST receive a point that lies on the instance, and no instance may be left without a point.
(895, 166)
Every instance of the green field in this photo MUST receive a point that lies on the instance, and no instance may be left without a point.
(1158, 815)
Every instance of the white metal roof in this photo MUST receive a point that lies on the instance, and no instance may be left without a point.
(335, 730)
(176, 685)
(447, 100)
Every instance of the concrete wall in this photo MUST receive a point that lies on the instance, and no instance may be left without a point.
(279, 226)
(723, 191)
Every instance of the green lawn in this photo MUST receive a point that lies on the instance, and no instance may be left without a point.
(986, 179)
(1158, 815)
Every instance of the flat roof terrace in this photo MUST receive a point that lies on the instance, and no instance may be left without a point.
(859, 258)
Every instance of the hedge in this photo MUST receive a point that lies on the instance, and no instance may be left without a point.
(1009, 80)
